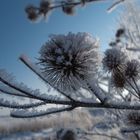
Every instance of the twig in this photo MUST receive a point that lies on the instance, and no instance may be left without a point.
(39, 114)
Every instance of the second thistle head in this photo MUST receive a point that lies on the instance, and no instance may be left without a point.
(113, 59)
(68, 59)
(132, 70)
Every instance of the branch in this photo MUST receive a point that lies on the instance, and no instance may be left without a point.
(133, 49)
(18, 106)
(38, 96)
(66, 3)
(111, 105)
(114, 5)
(95, 89)
(130, 130)
(14, 94)
(85, 1)
(23, 114)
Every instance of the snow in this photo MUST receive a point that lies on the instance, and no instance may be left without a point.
(42, 135)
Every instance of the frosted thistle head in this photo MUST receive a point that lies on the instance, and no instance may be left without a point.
(32, 13)
(132, 70)
(68, 8)
(37, 13)
(44, 7)
(113, 59)
(66, 59)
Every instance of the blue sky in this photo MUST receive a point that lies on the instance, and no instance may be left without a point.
(18, 35)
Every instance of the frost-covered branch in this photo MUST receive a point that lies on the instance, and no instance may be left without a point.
(37, 96)
(25, 114)
(95, 89)
(76, 104)
(14, 93)
(114, 5)
(130, 129)
(8, 104)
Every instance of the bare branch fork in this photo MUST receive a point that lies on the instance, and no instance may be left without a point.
(68, 102)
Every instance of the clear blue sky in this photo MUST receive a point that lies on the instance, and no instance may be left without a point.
(18, 35)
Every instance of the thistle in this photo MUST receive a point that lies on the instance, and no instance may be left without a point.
(32, 13)
(68, 8)
(35, 13)
(44, 7)
(68, 59)
(113, 59)
(132, 70)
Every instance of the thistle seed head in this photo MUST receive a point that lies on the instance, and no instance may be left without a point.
(66, 59)
(44, 7)
(32, 13)
(113, 59)
(132, 70)
(68, 8)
